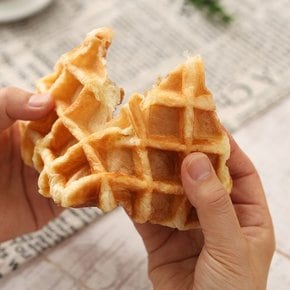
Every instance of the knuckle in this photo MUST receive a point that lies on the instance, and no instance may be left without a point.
(271, 243)
(272, 247)
(218, 198)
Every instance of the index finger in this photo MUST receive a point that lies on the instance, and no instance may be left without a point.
(247, 186)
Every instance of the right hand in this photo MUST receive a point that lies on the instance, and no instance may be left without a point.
(233, 249)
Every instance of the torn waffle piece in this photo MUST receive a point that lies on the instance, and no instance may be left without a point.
(88, 158)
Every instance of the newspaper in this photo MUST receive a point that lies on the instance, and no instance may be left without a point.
(247, 65)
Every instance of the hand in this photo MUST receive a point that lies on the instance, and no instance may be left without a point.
(22, 209)
(233, 249)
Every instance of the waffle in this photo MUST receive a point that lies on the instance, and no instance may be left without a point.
(85, 99)
(133, 160)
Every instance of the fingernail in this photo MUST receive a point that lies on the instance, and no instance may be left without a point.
(38, 100)
(199, 167)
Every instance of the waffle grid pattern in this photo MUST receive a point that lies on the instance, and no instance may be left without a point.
(79, 86)
(135, 162)
(86, 158)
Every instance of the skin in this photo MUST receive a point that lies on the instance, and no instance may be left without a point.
(234, 247)
(232, 250)
(22, 209)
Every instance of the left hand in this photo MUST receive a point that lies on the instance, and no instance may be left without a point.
(22, 209)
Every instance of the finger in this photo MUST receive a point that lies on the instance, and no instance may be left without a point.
(44, 209)
(239, 163)
(248, 194)
(17, 104)
(248, 188)
(214, 208)
(153, 235)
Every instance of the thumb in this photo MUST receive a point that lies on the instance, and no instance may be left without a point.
(214, 208)
(18, 104)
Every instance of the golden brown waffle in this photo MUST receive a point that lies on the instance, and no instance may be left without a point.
(85, 99)
(134, 160)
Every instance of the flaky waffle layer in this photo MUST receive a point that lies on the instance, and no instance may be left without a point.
(85, 98)
(134, 160)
